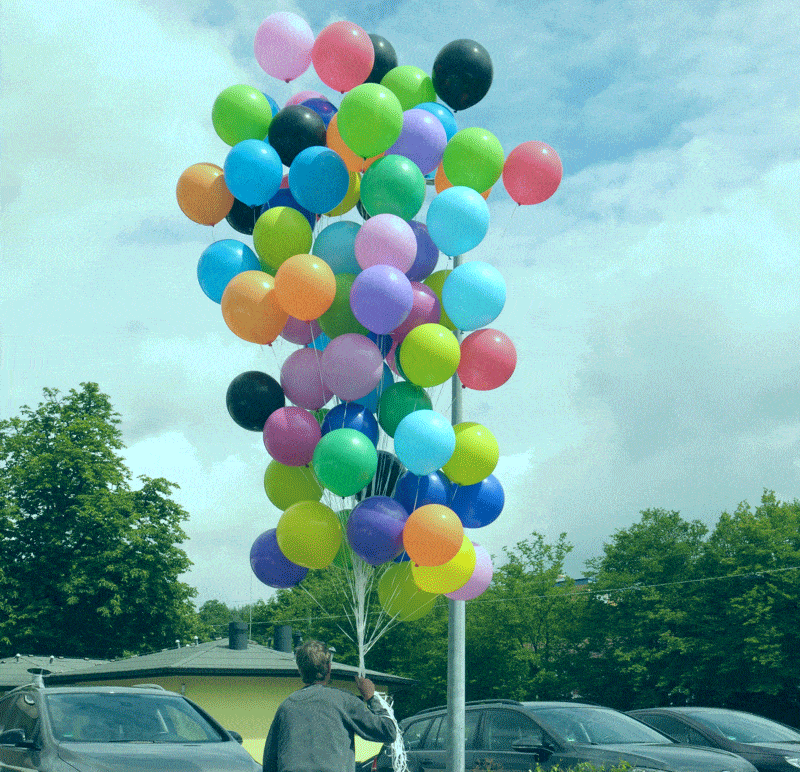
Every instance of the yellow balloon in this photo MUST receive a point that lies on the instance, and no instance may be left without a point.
(286, 485)
(436, 281)
(309, 534)
(351, 197)
(476, 454)
(281, 233)
(429, 355)
(399, 595)
(450, 576)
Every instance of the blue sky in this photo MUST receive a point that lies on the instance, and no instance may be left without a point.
(653, 300)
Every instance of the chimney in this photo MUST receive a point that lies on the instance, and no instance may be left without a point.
(237, 635)
(283, 638)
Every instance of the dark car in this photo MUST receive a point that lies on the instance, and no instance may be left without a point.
(767, 745)
(509, 735)
(113, 729)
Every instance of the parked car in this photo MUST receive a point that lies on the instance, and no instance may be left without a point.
(767, 745)
(113, 729)
(509, 735)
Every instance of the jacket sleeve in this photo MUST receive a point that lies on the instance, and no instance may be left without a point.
(371, 721)
(270, 760)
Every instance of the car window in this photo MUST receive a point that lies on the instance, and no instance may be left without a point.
(471, 721)
(502, 727)
(598, 726)
(414, 733)
(436, 739)
(5, 708)
(744, 727)
(22, 713)
(675, 728)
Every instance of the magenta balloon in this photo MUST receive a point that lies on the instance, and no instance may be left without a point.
(352, 366)
(426, 309)
(283, 45)
(301, 379)
(300, 332)
(375, 529)
(271, 566)
(381, 298)
(386, 239)
(427, 253)
(302, 96)
(422, 140)
(480, 579)
(291, 434)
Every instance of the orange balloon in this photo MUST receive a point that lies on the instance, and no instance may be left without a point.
(432, 535)
(440, 182)
(203, 195)
(353, 162)
(250, 308)
(305, 287)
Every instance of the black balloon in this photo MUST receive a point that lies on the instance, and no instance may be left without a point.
(386, 477)
(385, 58)
(242, 217)
(462, 73)
(252, 398)
(293, 129)
(363, 212)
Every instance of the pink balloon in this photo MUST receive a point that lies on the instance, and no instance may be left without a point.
(291, 434)
(390, 358)
(488, 359)
(283, 45)
(426, 309)
(386, 239)
(301, 96)
(352, 366)
(480, 579)
(301, 379)
(300, 332)
(532, 172)
(343, 55)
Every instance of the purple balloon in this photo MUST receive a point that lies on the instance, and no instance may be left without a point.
(422, 139)
(427, 253)
(375, 529)
(381, 298)
(301, 379)
(291, 434)
(300, 332)
(271, 566)
(351, 366)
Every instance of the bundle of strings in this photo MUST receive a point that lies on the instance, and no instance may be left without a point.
(397, 748)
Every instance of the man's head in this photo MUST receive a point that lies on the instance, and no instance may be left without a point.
(313, 661)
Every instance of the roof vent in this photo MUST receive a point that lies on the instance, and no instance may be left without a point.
(283, 638)
(237, 635)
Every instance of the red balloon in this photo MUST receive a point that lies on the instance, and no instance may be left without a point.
(488, 359)
(426, 309)
(532, 172)
(343, 55)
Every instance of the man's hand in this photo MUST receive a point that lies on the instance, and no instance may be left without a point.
(366, 687)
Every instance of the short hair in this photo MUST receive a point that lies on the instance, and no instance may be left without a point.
(313, 659)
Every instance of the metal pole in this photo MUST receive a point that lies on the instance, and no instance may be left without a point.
(456, 629)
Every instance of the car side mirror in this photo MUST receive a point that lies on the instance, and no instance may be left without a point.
(236, 736)
(16, 737)
(533, 745)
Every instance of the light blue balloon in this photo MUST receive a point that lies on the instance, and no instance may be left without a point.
(473, 295)
(335, 244)
(318, 179)
(275, 107)
(443, 114)
(457, 220)
(320, 342)
(253, 171)
(371, 400)
(424, 441)
(220, 262)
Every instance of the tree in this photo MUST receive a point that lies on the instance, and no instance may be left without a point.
(91, 565)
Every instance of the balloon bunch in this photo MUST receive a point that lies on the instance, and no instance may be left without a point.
(351, 419)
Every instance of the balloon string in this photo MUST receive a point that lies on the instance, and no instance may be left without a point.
(513, 212)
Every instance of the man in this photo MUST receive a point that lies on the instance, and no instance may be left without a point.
(314, 728)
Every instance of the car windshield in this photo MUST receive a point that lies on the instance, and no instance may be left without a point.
(115, 717)
(598, 726)
(744, 727)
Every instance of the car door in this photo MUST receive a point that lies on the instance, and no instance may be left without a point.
(499, 729)
(434, 748)
(20, 712)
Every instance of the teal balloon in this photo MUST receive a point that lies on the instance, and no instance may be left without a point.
(393, 185)
(335, 244)
(345, 460)
(424, 441)
(318, 179)
(220, 262)
(473, 295)
(457, 220)
(253, 171)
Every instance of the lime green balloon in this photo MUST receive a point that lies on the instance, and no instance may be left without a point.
(280, 233)
(476, 455)
(436, 281)
(345, 460)
(393, 185)
(339, 318)
(429, 355)
(345, 557)
(309, 534)
(241, 112)
(400, 597)
(473, 158)
(411, 85)
(450, 576)
(398, 401)
(370, 119)
(286, 485)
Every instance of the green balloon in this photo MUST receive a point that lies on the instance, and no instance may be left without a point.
(411, 85)
(286, 485)
(241, 112)
(345, 460)
(400, 597)
(393, 185)
(370, 119)
(339, 318)
(474, 159)
(280, 233)
(345, 557)
(398, 401)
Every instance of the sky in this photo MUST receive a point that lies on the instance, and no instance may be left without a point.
(653, 300)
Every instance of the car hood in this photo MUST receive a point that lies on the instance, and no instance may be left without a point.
(157, 757)
(676, 758)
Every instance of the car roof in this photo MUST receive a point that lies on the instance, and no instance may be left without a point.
(683, 709)
(564, 704)
(143, 689)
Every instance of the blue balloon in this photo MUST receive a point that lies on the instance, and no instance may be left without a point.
(320, 342)
(276, 107)
(284, 197)
(351, 415)
(335, 244)
(253, 171)
(414, 491)
(220, 262)
(323, 108)
(444, 115)
(457, 220)
(371, 400)
(424, 441)
(473, 295)
(383, 342)
(478, 505)
(318, 179)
